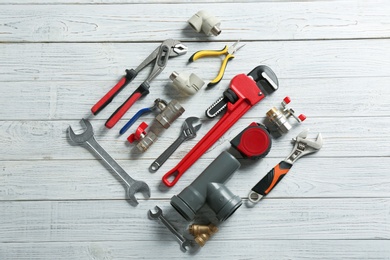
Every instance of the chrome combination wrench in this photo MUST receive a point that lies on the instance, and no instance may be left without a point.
(87, 138)
(188, 131)
(184, 243)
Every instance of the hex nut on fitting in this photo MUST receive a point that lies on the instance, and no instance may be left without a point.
(187, 83)
(146, 142)
(205, 22)
(170, 113)
(276, 117)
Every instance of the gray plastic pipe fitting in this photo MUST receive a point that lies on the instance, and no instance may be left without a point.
(209, 188)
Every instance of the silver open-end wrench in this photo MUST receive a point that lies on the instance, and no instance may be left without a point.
(188, 131)
(184, 243)
(87, 137)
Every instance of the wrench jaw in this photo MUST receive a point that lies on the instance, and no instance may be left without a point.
(138, 186)
(83, 137)
(304, 146)
(313, 146)
(178, 49)
(189, 128)
(266, 83)
(265, 79)
(157, 214)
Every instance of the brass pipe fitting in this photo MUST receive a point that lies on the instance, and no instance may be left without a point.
(202, 233)
(196, 230)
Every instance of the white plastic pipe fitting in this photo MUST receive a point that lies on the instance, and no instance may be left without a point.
(205, 22)
(185, 82)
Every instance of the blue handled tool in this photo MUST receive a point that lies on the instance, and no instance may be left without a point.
(141, 112)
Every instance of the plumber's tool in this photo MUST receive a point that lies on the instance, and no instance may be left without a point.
(141, 112)
(202, 233)
(138, 134)
(169, 113)
(279, 118)
(145, 140)
(209, 188)
(187, 83)
(228, 51)
(205, 22)
(87, 138)
(188, 131)
(301, 148)
(169, 48)
(254, 142)
(244, 92)
(184, 243)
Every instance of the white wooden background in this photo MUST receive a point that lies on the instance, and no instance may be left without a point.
(57, 58)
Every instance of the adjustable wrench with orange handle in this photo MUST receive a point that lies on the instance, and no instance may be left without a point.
(302, 147)
(269, 181)
(244, 92)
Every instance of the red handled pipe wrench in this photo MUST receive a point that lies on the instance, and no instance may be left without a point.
(243, 93)
(169, 48)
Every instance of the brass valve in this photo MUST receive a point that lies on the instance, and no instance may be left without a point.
(202, 233)
(279, 118)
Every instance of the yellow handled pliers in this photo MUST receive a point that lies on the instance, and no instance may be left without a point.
(229, 51)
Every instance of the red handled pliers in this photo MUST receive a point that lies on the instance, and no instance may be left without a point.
(169, 48)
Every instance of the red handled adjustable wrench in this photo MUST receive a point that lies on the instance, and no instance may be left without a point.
(243, 93)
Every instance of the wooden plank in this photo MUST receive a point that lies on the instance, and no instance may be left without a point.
(214, 249)
(72, 99)
(153, 22)
(124, 2)
(107, 61)
(88, 179)
(71, 221)
(37, 140)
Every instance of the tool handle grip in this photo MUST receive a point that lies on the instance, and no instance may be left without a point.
(269, 181)
(175, 174)
(134, 119)
(107, 98)
(117, 115)
(221, 71)
(166, 154)
(207, 53)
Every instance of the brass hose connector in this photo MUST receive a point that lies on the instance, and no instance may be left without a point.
(202, 233)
